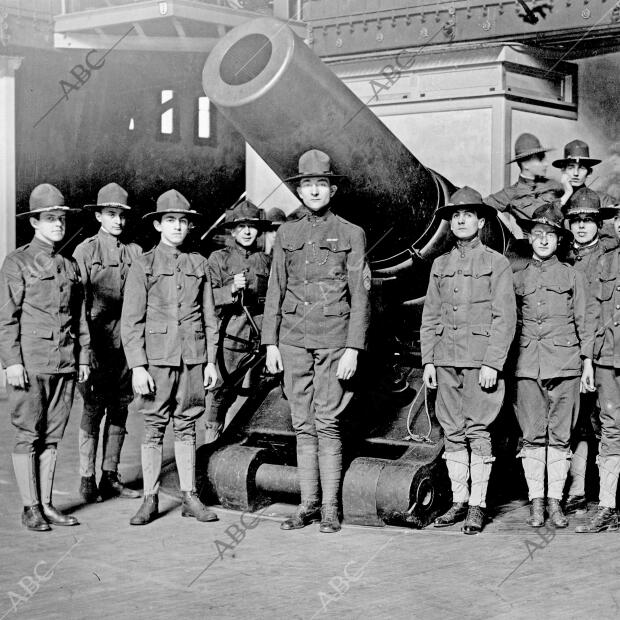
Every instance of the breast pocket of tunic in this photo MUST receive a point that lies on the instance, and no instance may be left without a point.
(294, 255)
(559, 298)
(333, 254)
(445, 283)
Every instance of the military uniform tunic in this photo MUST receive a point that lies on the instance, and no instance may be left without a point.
(104, 263)
(525, 196)
(606, 322)
(43, 327)
(468, 321)
(553, 337)
(168, 325)
(224, 264)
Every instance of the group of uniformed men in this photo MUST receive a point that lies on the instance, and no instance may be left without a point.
(123, 324)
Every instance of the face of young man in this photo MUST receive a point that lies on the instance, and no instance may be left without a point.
(535, 166)
(316, 192)
(584, 229)
(112, 220)
(50, 226)
(466, 224)
(173, 228)
(244, 234)
(576, 173)
(544, 241)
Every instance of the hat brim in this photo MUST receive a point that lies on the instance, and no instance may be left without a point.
(46, 209)
(576, 212)
(189, 213)
(114, 205)
(527, 154)
(314, 175)
(259, 224)
(588, 162)
(527, 226)
(482, 209)
(608, 213)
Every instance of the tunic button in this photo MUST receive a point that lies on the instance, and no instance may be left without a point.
(456, 290)
(178, 269)
(618, 288)
(539, 321)
(178, 286)
(460, 271)
(538, 303)
(59, 269)
(616, 323)
(122, 277)
(307, 262)
(579, 258)
(454, 327)
(455, 308)
(179, 304)
(178, 322)
(306, 303)
(305, 281)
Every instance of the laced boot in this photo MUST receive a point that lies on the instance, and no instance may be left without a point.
(604, 519)
(330, 522)
(304, 515)
(457, 512)
(575, 503)
(88, 489)
(475, 520)
(556, 516)
(34, 520)
(147, 512)
(537, 513)
(193, 507)
(110, 486)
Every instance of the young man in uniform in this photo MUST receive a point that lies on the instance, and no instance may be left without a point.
(239, 274)
(104, 262)
(315, 323)
(169, 332)
(468, 323)
(584, 217)
(606, 322)
(554, 363)
(532, 189)
(44, 343)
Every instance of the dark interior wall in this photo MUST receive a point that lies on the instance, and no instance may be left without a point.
(84, 142)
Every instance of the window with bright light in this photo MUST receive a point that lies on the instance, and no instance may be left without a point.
(204, 118)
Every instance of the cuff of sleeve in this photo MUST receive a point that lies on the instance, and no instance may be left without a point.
(211, 350)
(84, 358)
(12, 362)
(136, 359)
(353, 343)
(494, 364)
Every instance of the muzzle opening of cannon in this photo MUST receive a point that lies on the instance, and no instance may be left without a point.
(246, 59)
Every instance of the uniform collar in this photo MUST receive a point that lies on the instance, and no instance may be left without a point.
(470, 244)
(107, 239)
(168, 250)
(531, 183)
(543, 264)
(586, 248)
(42, 246)
(317, 216)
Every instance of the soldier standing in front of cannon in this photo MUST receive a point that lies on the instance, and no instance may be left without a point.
(315, 323)
(606, 324)
(554, 363)
(44, 344)
(239, 275)
(532, 189)
(468, 323)
(104, 262)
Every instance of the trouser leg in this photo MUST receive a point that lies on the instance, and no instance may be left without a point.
(449, 407)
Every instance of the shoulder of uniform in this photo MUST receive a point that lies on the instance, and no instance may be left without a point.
(351, 225)
(86, 244)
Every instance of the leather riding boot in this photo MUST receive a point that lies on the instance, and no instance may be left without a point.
(113, 440)
(537, 512)
(330, 522)
(213, 431)
(604, 519)
(193, 507)
(556, 516)
(534, 461)
(575, 503)
(304, 515)
(88, 489)
(454, 514)
(25, 474)
(480, 470)
(110, 486)
(147, 512)
(474, 521)
(558, 464)
(47, 468)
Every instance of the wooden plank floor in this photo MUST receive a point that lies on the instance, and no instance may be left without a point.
(172, 568)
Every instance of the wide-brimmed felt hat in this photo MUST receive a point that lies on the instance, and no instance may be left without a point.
(110, 195)
(548, 214)
(466, 198)
(576, 152)
(276, 217)
(583, 202)
(246, 213)
(609, 212)
(172, 202)
(314, 163)
(46, 197)
(527, 144)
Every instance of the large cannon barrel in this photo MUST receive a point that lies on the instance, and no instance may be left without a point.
(284, 100)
